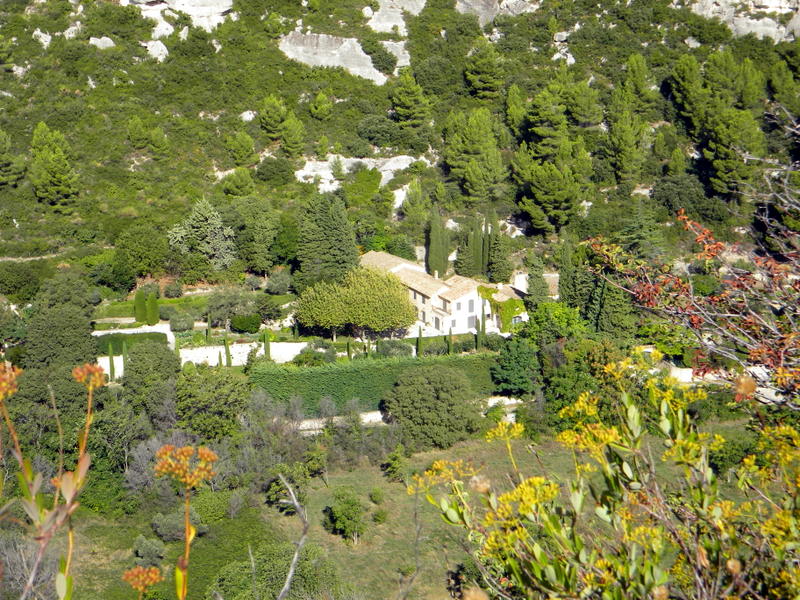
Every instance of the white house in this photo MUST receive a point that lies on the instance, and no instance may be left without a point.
(445, 304)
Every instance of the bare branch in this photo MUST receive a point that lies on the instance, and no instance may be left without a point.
(301, 514)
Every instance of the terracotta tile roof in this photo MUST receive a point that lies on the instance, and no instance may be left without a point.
(385, 261)
(420, 281)
(458, 287)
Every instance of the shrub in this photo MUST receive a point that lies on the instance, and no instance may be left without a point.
(130, 339)
(393, 348)
(345, 515)
(246, 323)
(380, 516)
(376, 495)
(275, 171)
(366, 380)
(169, 527)
(173, 289)
(433, 406)
(181, 321)
(148, 552)
(268, 308)
(165, 311)
(212, 506)
(435, 347)
(253, 282)
(493, 342)
(382, 59)
(731, 453)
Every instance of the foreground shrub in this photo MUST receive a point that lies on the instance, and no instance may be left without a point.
(169, 527)
(148, 552)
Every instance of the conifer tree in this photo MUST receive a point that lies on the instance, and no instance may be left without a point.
(242, 149)
(53, 178)
(730, 133)
(677, 162)
(411, 107)
(438, 245)
(639, 232)
(151, 309)
(11, 167)
(549, 193)
(785, 90)
(690, 95)
(583, 104)
(516, 109)
(322, 107)
(326, 247)
(293, 135)
(415, 209)
(471, 152)
(470, 253)
(238, 183)
(137, 134)
(627, 141)
(639, 84)
(567, 288)
(500, 267)
(271, 116)
(140, 306)
(203, 240)
(5, 53)
(548, 125)
(484, 70)
(158, 142)
(538, 290)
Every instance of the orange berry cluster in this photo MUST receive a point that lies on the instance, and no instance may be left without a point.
(91, 376)
(141, 578)
(178, 464)
(8, 380)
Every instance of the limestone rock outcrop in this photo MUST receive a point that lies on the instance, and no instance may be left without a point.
(754, 16)
(206, 14)
(487, 10)
(390, 15)
(322, 50)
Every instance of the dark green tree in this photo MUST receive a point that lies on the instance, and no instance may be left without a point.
(50, 172)
(499, 267)
(271, 116)
(732, 133)
(138, 135)
(11, 167)
(151, 311)
(547, 121)
(517, 368)
(640, 85)
(238, 183)
(143, 248)
(59, 335)
(434, 407)
(326, 248)
(322, 107)
(204, 242)
(149, 379)
(241, 148)
(346, 516)
(293, 136)
(140, 306)
(438, 245)
(411, 107)
(516, 109)
(471, 153)
(484, 70)
(691, 97)
(538, 290)
(627, 143)
(583, 104)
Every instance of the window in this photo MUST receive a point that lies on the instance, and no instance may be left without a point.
(445, 306)
(424, 320)
(458, 305)
(472, 306)
(453, 323)
(423, 298)
(414, 294)
(436, 322)
(472, 322)
(517, 319)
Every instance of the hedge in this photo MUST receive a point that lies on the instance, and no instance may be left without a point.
(368, 381)
(131, 339)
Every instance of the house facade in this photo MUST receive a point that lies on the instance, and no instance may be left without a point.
(443, 305)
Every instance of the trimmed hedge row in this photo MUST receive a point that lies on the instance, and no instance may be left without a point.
(130, 339)
(368, 381)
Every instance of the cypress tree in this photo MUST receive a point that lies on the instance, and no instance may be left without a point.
(140, 306)
(566, 274)
(419, 343)
(516, 109)
(111, 374)
(538, 290)
(267, 350)
(178, 349)
(10, 167)
(219, 359)
(228, 361)
(124, 355)
(272, 115)
(151, 310)
(449, 340)
(326, 247)
(349, 350)
(411, 107)
(438, 245)
(499, 267)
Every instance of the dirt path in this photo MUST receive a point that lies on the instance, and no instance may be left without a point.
(30, 258)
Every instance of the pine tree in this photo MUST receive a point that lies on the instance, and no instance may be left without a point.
(53, 178)
(639, 84)
(567, 288)
(438, 245)
(639, 233)
(730, 133)
(415, 209)
(241, 148)
(516, 109)
(411, 107)
(5, 53)
(293, 135)
(151, 309)
(627, 141)
(137, 134)
(271, 116)
(238, 183)
(548, 125)
(499, 267)
(550, 193)
(583, 105)
(538, 290)
(785, 90)
(322, 107)
(158, 142)
(11, 167)
(677, 163)
(690, 95)
(607, 309)
(326, 247)
(484, 70)
(471, 152)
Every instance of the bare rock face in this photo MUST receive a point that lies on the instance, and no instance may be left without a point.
(156, 50)
(487, 10)
(390, 15)
(399, 51)
(749, 16)
(103, 43)
(322, 170)
(206, 14)
(322, 50)
(42, 37)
